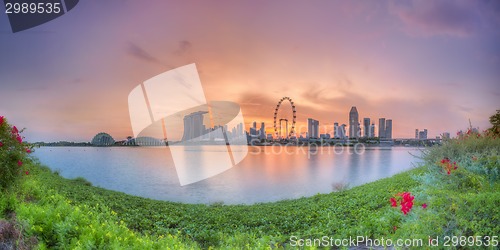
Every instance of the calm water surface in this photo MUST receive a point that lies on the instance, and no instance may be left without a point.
(267, 174)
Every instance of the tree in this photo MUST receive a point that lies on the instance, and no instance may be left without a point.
(495, 122)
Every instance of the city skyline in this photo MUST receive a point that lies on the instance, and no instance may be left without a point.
(425, 64)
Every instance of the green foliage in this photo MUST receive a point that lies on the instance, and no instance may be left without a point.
(71, 214)
(82, 181)
(465, 202)
(495, 124)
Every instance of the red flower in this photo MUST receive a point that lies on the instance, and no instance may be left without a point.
(395, 228)
(406, 202)
(28, 150)
(15, 130)
(1, 120)
(448, 172)
(27, 172)
(19, 163)
(424, 206)
(19, 139)
(394, 203)
(1, 144)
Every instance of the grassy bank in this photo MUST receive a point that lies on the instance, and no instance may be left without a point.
(50, 211)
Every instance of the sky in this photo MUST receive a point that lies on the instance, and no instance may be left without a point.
(423, 64)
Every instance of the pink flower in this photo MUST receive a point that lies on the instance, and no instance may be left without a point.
(1, 120)
(19, 163)
(28, 150)
(424, 206)
(1, 144)
(15, 130)
(27, 172)
(19, 139)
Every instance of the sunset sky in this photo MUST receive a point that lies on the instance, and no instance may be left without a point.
(423, 64)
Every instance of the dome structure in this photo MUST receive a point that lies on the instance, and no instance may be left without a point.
(102, 139)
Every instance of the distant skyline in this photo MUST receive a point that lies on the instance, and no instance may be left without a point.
(424, 64)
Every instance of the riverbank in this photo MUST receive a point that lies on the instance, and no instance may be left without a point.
(50, 211)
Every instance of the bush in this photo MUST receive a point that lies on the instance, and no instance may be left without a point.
(13, 155)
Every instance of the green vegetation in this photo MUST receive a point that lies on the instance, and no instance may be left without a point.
(48, 211)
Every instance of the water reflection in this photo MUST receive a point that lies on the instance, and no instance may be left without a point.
(267, 174)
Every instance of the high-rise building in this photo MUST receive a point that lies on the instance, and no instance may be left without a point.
(372, 131)
(342, 131)
(422, 135)
(366, 127)
(312, 128)
(388, 129)
(336, 130)
(353, 123)
(262, 131)
(193, 125)
(416, 133)
(381, 128)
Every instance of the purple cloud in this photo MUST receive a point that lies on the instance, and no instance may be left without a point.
(441, 17)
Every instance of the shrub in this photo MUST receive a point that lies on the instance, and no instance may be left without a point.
(13, 155)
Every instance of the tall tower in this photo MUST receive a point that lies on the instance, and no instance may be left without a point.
(366, 127)
(353, 123)
(388, 129)
(312, 128)
(262, 131)
(336, 130)
(381, 128)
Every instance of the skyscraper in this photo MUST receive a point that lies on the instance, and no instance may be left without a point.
(416, 133)
(372, 130)
(381, 128)
(388, 129)
(353, 123)
(366, 127)
(313, 128)
(342, 132)
(262, 131)
(336, 130)
(193, 125)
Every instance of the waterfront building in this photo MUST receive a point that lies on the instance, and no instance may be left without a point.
(336, 130)
(372, 131)
(381, 128)
(366, 127)
(353, 123)
(422, 135)
(193, 125)
(262, 131)
(342, 131)
(388, 129)
(312, 128)
(102, 139)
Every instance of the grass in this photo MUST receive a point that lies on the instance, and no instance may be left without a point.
(64, 213)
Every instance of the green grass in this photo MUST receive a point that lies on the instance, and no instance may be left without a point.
(64, 213)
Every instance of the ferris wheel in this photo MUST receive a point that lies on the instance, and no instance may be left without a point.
(277, 130)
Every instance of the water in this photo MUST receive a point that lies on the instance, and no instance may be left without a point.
(267, 174)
